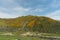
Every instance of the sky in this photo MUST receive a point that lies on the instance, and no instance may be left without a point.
(15, 8)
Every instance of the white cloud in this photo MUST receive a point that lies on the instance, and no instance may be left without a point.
(20, 11)
(5, 15)
(54, 15)
(13, 12)
(39, 10)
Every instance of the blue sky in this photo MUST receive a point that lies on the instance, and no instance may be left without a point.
(15, 8)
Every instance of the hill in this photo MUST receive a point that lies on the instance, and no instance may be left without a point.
(30, 23)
